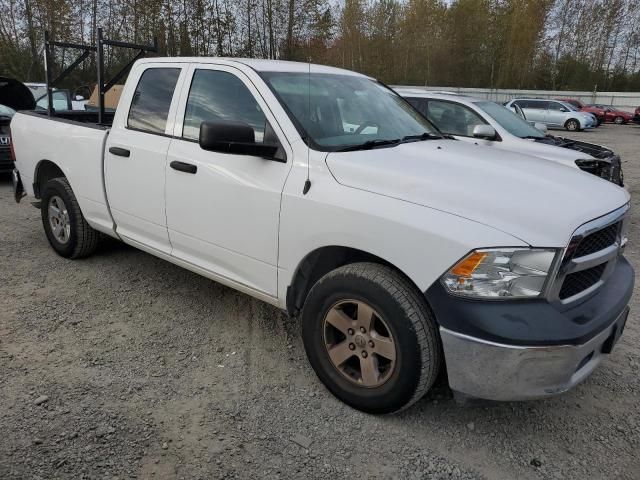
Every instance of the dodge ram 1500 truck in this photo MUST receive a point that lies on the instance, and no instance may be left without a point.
(323, 192)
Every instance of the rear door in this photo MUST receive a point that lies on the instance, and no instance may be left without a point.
(136, 154)
(534, 110)
(223, 215)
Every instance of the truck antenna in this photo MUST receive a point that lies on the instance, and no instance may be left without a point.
(307, 182)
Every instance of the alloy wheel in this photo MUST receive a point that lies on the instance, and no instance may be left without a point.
(59, 219)
(359, 343)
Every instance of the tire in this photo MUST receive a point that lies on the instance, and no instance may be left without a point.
(572, 125)
(68, 232)
(399, 310)
(618, 120)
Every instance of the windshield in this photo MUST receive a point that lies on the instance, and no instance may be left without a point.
(510, 121)
(335, 112)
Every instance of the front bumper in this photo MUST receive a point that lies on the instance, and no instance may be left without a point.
(6, 162)
(495, 371)
(528, 349)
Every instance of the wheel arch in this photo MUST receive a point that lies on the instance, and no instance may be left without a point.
(321, 261)
(45, 170)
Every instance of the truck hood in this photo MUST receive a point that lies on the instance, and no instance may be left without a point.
(538, 201)
(542, 149)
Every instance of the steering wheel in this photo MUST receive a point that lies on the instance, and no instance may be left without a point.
(368, 123)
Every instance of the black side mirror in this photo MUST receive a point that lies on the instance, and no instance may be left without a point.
(236, 138)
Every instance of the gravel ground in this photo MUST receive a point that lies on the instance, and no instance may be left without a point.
(125, 366)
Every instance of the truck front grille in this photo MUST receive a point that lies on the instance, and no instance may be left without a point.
(577, 282)
(589, 259)
(598, 240)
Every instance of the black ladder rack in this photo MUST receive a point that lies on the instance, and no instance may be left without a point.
(86, 50)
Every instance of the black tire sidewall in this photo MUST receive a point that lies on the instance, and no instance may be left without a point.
(56, 188)
(401, 386)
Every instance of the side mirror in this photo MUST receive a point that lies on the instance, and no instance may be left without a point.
(542, 127)
(235, 138)
(486, 132)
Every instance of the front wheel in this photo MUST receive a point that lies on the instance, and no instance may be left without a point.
(618, 120)
(371, 338)
(67, 231)
(572, 125)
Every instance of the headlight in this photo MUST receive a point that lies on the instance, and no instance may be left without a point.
(501, 273)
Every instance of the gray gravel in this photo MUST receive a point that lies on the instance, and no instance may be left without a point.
(124, 366)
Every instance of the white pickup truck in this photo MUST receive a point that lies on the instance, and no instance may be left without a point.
(324, 193)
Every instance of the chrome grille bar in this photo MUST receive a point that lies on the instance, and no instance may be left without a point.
(572, 265)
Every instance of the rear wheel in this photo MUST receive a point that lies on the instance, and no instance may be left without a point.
(371, 338)
(67, 231)
(572, 125)
(618, 120)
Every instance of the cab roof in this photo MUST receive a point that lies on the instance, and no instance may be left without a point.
(259, 65)
(436, 95)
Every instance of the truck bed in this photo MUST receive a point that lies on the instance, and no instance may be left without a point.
(75, 145)
(88, 118)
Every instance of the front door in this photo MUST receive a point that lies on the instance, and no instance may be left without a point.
(556, 114)
(223, 213)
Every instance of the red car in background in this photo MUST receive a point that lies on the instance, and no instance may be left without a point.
(598, 112)
(636, 116)
(612, 114)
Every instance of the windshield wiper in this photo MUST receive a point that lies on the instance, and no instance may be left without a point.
(418, 138)
(369, 144)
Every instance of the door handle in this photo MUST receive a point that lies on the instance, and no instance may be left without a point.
(121, 152)
(183, 167)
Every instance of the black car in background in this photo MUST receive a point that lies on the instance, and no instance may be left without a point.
(14, 95)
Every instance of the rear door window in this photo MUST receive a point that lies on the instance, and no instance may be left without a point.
(151, 101)
(537, 104)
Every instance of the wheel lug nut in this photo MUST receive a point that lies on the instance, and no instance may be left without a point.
(363, 330)
(364, 354)
(371, 344)
(350, 331)
(352, 346)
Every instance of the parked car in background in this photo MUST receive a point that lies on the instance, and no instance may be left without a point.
(614, 114)
(324, 193)
(636, 115)
(6, 158)
(63, 100)
(598, 112)
(14, 95)
(554, 114)
(484, 122)
(37, 89)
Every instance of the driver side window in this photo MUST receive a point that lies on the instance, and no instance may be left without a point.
(453, 118)
(221, 96)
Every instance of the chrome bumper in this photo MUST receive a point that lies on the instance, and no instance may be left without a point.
(494, 371)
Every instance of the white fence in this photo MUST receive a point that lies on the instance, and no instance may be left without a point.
(623, 100)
